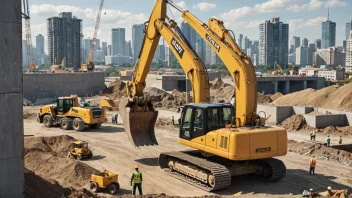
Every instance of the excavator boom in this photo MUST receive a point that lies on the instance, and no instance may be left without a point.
(137, 112)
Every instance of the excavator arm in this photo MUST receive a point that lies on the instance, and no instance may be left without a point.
(136, 110)
(237, 63)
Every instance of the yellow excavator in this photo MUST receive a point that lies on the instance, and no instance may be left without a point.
(228, 140)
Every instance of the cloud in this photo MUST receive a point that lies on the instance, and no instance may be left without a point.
(204, 6)
(312, 5)
(335, 3)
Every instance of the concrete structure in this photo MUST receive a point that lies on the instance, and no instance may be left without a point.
(11, 99)
(328, 37)
(118, 41)
(137, 39)
(348, 29)
(48, 86)
(322, 121)
(273, 42)
(302, 110)
(338, 74)
(288, 84)
(348, 65)
(275, 114)
(64, 39)
(331, 56)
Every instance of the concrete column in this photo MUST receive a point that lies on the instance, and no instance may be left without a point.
(276, 86)
(287, 87)
(11, 109)
(305, 84)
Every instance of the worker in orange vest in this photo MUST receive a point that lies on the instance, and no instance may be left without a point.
(312, 164)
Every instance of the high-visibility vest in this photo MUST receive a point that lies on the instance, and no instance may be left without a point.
(328, 139)
(313, 162)
(136, 177)
(314, 133)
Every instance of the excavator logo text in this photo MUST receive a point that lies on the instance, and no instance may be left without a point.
(217, 47)
(177, 47)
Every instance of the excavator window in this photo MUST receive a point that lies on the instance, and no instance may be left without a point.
(186, 123)
(64, 105)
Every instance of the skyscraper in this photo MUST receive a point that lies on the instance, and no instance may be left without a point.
(40, 44)
(118, 41)
(87, 45)
(200, 48)
(64, 39)
(273, 42)
(328, 37)
(294, 43)
(348, 29)
(137, 39)
(189, 33)
(128, 49)
(97, 44)
(109, 50)
(304, 42)
(348, 65)
(104, 47)
(318, 44)
(239, 42)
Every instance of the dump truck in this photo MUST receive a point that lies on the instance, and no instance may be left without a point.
(68, 114)
(105, 180)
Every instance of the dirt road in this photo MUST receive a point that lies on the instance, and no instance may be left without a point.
(113, 151)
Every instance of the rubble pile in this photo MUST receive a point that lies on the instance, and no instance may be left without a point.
(295, 123)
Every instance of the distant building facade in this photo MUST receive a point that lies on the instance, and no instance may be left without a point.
(331, 57)
(348, 29)
(118, 40)
(273, 42)
(328, 37)
(137, 39)
(189, 33)
(348, 65)
(64, 39)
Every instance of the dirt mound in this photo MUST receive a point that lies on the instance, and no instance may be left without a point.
(172, 101)
(27, 115)
(46, 156)
(276, 96)
(320, 152)
(116, 90)
(163, 121)
(337, 130)
(294, 123)
(84, 193)
(155, 94)
(329, 97)
(218, 83)
(264, 99)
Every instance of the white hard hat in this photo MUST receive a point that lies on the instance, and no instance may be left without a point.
(329, 188)
(311, 189)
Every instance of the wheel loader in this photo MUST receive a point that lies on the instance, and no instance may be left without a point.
(80, 150)
(227, 140)
(69, 115)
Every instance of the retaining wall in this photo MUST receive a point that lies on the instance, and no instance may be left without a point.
(44, 86)
(275, 114)
(322, 121)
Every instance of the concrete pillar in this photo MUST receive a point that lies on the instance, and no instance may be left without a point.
(287, 87)
(11, 109)
(276, 86)
(305, 84)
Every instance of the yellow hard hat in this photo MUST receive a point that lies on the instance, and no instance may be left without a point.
(136, 166)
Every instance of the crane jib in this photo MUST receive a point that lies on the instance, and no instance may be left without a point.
(177, 47)
(217, 46)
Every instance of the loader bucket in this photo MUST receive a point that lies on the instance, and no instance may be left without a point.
(139, 125)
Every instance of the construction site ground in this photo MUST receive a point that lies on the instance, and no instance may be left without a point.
(113, 151)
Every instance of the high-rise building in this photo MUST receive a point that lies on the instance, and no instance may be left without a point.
(273, 42)
(302, 56)
(328, 37)
(137, 39)
(109, 50)
(296, 42)
(128, 49)
(239, 42)
(118, 41)
(348, 65)
(97, 44)
(348, 29)
(64, 39)
(318, 44)
(24, 54)
(330, 56)
(304, 42)
(292, 58)
(189, 33)
(104, 47)
(40, 44)
(87, 45)
(200, 48)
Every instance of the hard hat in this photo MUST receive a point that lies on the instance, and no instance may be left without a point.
(329, 188)
(311, 189)
(136, 166)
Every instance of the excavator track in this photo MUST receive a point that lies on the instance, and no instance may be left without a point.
(222, 176)
(277, 169)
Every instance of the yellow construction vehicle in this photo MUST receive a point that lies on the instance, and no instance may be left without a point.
(68, 114)
(32, 68)
(105, 180)
(277, 71)
(59, 68)
(229, 140)
(107, 104)
(80, 150)
(126, 72)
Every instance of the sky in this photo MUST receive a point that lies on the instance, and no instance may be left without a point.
(241, 16)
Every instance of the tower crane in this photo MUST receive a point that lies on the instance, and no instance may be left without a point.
(90, 66)
(32, 66)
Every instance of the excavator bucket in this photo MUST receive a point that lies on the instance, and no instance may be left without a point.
(139, 123)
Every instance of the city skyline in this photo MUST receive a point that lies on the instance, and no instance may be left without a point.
(303, 16)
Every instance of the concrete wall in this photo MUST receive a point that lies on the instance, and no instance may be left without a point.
(302, 110)
(275, 114)
(322, 121)
(11, 111)
(40, 86)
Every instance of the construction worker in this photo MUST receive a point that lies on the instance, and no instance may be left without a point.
(330, 192)
(313, 194)
(116, 117)
(340, 140)
(113, 118)
(136, 179)
(314, 134)
(312, 164)
(311, 135)
(327, 139)
(173, 120)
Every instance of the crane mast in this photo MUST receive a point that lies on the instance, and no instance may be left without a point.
(92, 49)
(26, 16)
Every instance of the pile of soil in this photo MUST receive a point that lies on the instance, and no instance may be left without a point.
(220, 91)
(46, 157)
(328, 97)
(346, 130)
(174, 100)
(28, 115)
(84, 193)
(320, 151)
(294, 123)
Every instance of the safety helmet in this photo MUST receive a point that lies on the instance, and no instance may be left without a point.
(329, 188)
(311, 189)
(136, 166)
